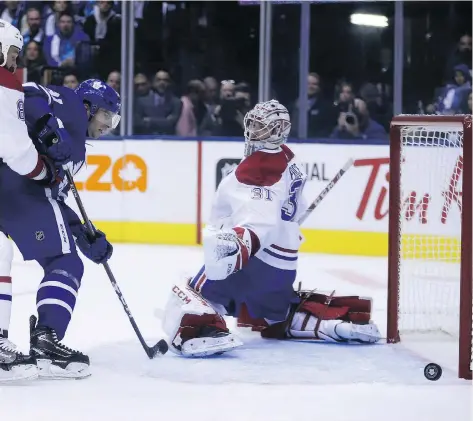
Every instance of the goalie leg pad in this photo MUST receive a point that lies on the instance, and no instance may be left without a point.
(194, 328)
(348, 308)
(307, 326)
(320, 316)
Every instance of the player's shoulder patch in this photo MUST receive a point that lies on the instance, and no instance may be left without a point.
(20, 109)
(9, 81)
(264, 168)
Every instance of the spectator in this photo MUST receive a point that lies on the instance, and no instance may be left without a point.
(227, 89)
(354, 120)
(191, 102)
(345, 100)
(370, 128)
(59, 49)
(13, 13)
(344, 97)
(142, 85)
(157, 112)
(52, 20)
(233, 110)
(104, 28)
(461, 55)
(465, 107)
(210, 121)
(357, 124)
(33, 31)
(86, 8)
(71, 80)
(114, 80)
(454, 94)
(34, 61)
(320, 114)
(243, 94)
(211, 93)
(379, 108)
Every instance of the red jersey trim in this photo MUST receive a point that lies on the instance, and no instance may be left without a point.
(8, 80)
(262, 168)
(37, 169)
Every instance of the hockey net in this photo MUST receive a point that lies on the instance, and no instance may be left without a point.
(430, 274)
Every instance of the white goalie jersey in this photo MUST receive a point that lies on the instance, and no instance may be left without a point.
(264, 197)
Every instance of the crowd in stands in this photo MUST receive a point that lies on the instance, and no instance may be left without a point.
(69, 41)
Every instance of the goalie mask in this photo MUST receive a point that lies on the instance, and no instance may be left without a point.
(267, 126)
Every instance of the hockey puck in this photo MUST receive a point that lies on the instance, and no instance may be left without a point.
(432, 372)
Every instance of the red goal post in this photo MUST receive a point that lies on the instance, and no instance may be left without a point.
(430, 230)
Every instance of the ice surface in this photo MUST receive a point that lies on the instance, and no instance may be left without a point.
(264, 381)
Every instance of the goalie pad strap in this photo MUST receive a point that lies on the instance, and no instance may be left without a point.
(349, 308)
(321, 317)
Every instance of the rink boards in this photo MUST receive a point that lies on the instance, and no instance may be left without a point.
(156, 191)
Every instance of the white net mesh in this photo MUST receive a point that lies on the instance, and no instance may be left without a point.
(430, 228)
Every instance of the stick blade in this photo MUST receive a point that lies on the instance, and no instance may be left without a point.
(160, 348)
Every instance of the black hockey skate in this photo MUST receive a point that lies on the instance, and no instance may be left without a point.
(15, 366)
(55, 360)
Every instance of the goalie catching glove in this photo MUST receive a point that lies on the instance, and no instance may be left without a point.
(227, 251)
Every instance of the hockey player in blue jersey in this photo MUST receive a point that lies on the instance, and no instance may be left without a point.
(44, 227)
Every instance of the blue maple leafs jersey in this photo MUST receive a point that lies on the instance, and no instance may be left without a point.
(64, 104)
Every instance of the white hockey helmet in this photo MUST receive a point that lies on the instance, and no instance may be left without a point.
(267, 126)
(9, 35)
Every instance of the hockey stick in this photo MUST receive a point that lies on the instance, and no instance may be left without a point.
(325, 191)
(161, 347)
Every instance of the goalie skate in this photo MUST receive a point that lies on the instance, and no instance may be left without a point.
(210, 342)
(55, 360)
(368, 333)
(15, 366)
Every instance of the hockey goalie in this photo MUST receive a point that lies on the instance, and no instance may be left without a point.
(250, 257)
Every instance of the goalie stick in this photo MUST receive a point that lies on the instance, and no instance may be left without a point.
(161, 347)
(325, 191)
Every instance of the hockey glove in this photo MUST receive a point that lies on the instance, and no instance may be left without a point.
(55, 139)
(97, 248)
(54, 175)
